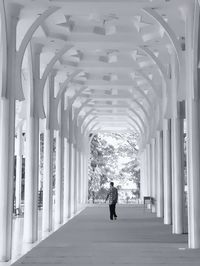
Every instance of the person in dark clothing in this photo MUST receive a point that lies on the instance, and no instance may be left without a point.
(112, 196)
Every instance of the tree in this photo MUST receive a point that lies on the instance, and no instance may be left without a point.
(133, 169)
(107, 150)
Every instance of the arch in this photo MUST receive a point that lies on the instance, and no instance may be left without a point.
(158, 63)
(155, 92)
(82, 106)
(63, 86)
(171, 35)
(87, 124)
(42, 81)
(144, 95)
(84, 117)
(135, 122)
(132, 110)
(21, 51)
(144, 110)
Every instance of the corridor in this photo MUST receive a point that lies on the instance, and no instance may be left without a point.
(73, 69)
(136, 238)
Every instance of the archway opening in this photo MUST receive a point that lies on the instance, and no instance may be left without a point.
(114, 157)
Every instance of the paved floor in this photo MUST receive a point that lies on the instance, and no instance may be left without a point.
(136, 238)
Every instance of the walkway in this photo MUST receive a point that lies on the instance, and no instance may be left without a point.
(136, 238)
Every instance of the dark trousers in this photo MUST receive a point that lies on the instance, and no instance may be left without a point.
(112, 210)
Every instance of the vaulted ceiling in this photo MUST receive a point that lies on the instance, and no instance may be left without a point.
(118, 56)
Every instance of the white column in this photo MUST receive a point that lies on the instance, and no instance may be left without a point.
(71, 180)
(71, 161)
(66, 202)
(177, 175)
(193, 123)
(48, 181)
(7, 121)
(160, 192)
(149, 179)
(86, 175)
(59, 170)
(48, 159)
(167, 172)
(7, 130)
(82, 178)
(146, 173)
(142, 176)
(31, 180)
(79, 176)
(146, 193)
(193, 145)
(32, 150)
(19, 147)
(153, 173)
(75, 178)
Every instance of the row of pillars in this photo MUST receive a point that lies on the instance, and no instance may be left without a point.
(170, 174)
(71, 151)
(70, 178)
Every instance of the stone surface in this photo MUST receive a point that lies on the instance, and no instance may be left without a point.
(136, 238)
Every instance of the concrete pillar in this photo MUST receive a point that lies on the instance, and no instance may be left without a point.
(79, 177)
(82, 177)
(32, 149)
(146, 190)
(149, 191)
(177, 176)
(75, 175)
(71, 181)
(160, 192)
(86, 176)
(71, 161)
(19, 147)
(66, 202)
(153, 173)
(193, 145)
(7, 128)
(145, 173)
(31, 180)
(193, 123)
(48, 160)
(48, 181)
(143, 176)
(177, 149)
(7, 122)
(167, 171)
(59, 170)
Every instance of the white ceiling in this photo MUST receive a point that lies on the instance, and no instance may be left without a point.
(108, 39)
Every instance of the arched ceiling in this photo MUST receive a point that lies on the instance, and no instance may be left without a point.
(119, 54)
